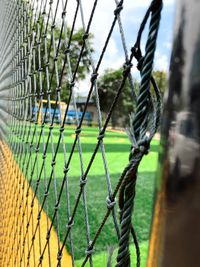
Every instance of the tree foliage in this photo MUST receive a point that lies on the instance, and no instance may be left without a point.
(161, 80)
(108, 85)
(74, 51)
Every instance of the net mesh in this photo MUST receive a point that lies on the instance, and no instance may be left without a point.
(53, 163)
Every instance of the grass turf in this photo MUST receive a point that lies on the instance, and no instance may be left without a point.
(101, 258)
(117, 148)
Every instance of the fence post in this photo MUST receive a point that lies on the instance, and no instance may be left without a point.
(175, 234)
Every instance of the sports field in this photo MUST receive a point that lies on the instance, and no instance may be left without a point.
(117, 148)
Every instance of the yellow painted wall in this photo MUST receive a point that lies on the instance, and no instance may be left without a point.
(13, 231)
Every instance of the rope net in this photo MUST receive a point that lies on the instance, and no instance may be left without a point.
(50, 158)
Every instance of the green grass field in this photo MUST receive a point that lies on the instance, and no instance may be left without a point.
(100, 260)
(117, 148)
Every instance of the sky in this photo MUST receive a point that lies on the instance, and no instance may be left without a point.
(131, 17)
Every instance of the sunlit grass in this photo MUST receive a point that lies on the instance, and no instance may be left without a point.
(117, 148)
(101, 258)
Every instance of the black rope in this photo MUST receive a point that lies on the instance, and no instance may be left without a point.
(140, 142)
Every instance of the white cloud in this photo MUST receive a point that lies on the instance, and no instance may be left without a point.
(168, 45)
(169, 2)
(113, 59)
(161, 62)
(145, 3)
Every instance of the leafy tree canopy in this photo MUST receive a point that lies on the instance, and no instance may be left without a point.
(74, 52)
(108, 85)
(161, 80)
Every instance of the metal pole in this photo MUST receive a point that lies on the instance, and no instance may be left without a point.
(175, 235)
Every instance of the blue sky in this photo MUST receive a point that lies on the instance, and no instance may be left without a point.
(131, 17)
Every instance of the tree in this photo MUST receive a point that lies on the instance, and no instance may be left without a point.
(161, 80)
(74, 51)
(108, 85)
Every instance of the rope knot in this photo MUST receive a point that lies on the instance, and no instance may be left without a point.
(90, 249)
(78, 130)
(82, 182)
(85, 36)
(144, 146)
(127, 67)
(65, 169)
(93, 77)
(39, 216)
(53, 162)
(138, 55)
(62, 128)
(63, 14)
(41, 259)
(101, 135)
(46, 194)
(38, 182)
(71, 84)
(53, 26)
(134, 150)
(59, 255)
(58, 89)
(140, 63)
(56, 207)
(110, 202)
(48, 235)
(67, 50)
(118, 9)
(70, 223)
(55, 58)
(141, 146)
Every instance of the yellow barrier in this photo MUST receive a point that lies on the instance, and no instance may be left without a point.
(13, 231)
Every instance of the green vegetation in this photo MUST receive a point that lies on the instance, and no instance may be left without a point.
(161, 80)
(117, 148)
(73, 51)
(108, 84)
(100, 259)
